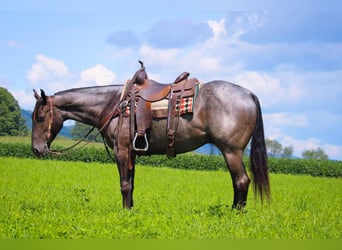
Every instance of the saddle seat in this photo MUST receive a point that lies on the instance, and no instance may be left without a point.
(152, 91)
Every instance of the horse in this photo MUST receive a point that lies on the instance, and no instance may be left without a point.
(225, 114)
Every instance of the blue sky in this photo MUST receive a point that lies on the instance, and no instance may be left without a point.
(290, 57)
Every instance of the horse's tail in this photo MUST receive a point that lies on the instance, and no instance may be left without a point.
(258, 157)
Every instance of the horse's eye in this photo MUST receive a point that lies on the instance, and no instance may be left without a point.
(40, 119)
(41, 116)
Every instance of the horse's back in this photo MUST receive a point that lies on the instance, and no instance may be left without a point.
(227, 92)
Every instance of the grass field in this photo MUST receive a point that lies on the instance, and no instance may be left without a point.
(55, 199)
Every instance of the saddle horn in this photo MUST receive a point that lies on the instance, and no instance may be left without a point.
(140, 76)
(141, 64)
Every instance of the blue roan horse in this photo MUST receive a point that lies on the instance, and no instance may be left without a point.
(225, 115)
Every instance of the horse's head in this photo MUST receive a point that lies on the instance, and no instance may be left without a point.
(46, 123)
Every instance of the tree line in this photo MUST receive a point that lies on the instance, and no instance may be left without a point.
(13, 124)
(275, 149)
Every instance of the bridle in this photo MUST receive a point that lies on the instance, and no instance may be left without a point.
(48, 136)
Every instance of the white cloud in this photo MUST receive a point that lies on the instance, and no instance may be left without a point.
(47, 69)
(299, 145)
(286, 119)
(272, 132)
(241, 23)
(152, 56)
(218, 28)
(53, 75)
(97, 75)
(168, 63)
(267, 88)
(319, 90)
(333, 151)
(24, 98)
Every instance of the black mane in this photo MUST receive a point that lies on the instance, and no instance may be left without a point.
(91, 90)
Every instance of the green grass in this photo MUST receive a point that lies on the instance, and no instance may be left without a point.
(55, 199)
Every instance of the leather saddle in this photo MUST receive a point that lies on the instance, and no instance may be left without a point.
(141, 92)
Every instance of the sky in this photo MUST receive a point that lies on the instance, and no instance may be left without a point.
(289, 53)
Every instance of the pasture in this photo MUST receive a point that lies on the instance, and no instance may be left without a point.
(49, 199)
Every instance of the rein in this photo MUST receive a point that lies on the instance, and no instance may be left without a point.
(102, 124)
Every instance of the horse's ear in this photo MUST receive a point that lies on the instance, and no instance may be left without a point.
(42, 93)
(36, 94)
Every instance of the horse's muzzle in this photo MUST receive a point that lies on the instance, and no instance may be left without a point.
(40, 152)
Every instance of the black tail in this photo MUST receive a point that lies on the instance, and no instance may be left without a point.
(258, 157)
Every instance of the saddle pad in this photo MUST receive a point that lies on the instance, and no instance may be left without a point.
(160, 109)
(186, 105)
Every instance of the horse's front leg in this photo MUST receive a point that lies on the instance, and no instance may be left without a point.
(125, 159)
(127, 187)
(126, 167)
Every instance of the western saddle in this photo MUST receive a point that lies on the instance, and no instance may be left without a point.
(138, 96)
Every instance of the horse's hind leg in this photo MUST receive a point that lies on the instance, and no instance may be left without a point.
(239, 176)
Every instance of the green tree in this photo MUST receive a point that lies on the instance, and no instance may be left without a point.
(287, 152)
(81, 129)
(273, 147)
(11, 122)
(316, 154)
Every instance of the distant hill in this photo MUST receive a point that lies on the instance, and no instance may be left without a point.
(26, 114)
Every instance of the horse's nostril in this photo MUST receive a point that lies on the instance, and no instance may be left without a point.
(36, 151)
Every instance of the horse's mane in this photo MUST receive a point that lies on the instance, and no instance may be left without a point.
(96, 90)
(110, 95)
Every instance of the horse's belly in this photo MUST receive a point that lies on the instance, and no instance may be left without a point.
(187, 137)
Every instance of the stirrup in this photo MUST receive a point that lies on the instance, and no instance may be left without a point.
(134, 141)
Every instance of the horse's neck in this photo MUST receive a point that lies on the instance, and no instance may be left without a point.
(86, 108)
